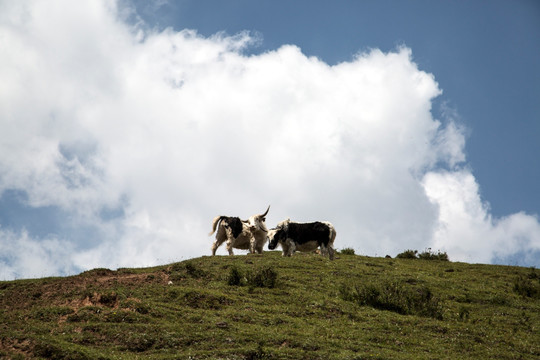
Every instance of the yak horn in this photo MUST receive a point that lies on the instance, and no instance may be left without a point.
(263, 215)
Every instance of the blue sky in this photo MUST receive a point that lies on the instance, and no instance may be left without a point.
(125, 127)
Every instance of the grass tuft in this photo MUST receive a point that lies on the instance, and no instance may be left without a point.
(235, 277)
(264, 277)
(429, 255)
(394, 296)
(408, 254)
(347, 251)
(527, 286)
(425, 255)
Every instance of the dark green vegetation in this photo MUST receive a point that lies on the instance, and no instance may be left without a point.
(347, 251)
(426, 255)
(269, 307)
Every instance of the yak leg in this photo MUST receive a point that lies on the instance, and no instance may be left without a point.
(291, 249)
(259, 249)
(324, 250)
(330, 252)
(230, 247)
(221, 237)
(255, 245)
(215, 245)
(327, 251)
(285, 248)
(259, 241)
(229, 241)
(331, 242)
(252, 245)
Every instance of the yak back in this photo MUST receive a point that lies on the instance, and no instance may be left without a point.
(305, 232)
(234, 223)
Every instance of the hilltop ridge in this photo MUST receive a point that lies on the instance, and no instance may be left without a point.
(269, 307)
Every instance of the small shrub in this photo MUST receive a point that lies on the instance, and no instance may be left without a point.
(393, 296)
(464, 313)
(180, 271)
(347, 251)
(263, 277)
(194, 271)
(235, 277)
(428, 255)
(407, 254)
(108, 299)
(98, 272)
(527, 287)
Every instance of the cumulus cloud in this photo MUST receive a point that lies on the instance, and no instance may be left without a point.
(467, 230)
(143, 136)
(23, 256)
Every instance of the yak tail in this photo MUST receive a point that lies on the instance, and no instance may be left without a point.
(215, 224)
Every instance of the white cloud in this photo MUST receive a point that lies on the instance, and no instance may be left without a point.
(466, 228)
(170, 128)
(24, 257)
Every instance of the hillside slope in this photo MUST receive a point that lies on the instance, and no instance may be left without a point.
(269, 307)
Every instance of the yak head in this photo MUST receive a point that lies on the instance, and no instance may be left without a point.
(277, 234)
(257, 222)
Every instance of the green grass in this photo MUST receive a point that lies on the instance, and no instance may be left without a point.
(269, 307)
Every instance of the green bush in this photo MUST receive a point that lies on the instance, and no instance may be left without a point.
(347, 251)
(263, 277)
(184, 270)
(235, 277)
(428, 255)
(108, 299)
(407, 254)
(98, 272)
(527, 286)
(194, 271)
(394, 296)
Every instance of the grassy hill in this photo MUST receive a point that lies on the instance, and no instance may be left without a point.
(269, 307)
